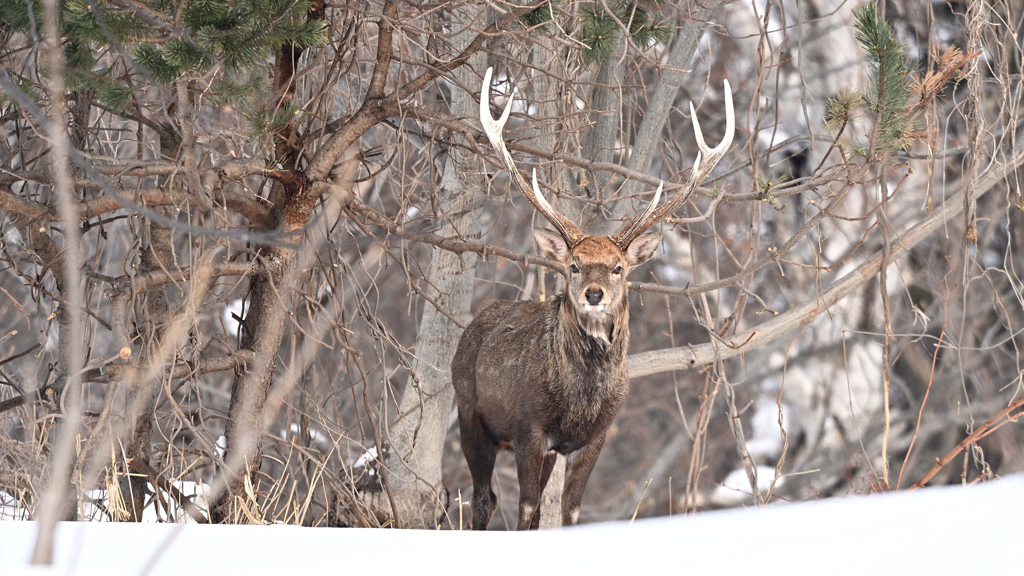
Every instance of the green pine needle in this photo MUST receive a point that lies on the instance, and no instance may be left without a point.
(150, 57)
(15, 14)
(238, 37)
(267, 121)
(656, 31)
(246, 94)
(888, 96)
(78, 54)
(201, 13)
(23, 84)
(599, 32)
(114, 95)
(842, 107)
(185, 56)
(540, 19)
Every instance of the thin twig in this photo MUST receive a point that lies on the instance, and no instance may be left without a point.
(997, 422)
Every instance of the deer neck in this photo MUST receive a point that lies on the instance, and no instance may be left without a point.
(591, 342)
(589, 363)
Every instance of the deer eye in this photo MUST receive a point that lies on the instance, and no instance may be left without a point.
(575, 269)
(617, 270)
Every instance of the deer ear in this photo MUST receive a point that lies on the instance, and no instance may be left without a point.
(641, 249)
(551, 244)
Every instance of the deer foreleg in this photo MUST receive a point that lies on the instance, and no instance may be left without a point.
(579, 467)
(530, 469)
(545, 475)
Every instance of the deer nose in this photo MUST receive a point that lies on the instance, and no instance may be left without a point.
(594, 296)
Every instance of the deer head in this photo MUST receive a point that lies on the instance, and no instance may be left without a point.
(597, 265)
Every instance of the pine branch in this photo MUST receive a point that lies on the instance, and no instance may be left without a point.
(888, 95)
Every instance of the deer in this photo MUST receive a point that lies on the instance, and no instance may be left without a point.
(547, 378)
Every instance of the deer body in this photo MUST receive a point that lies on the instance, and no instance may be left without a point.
(535, 402)
(567, 379)
(547, 378)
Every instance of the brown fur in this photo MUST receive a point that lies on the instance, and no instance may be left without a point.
(547, 378)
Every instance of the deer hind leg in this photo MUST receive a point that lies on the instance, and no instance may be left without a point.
(545, 475)
(578, 469)
(480, 452)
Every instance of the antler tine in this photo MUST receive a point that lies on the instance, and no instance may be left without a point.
(491, 128)
(638, 224)
(711, 156)
(702, 166)
(569, 231)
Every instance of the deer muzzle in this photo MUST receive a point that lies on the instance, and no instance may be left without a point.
(594, 300)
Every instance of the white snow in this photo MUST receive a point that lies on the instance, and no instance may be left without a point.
(233, 309)
(365, 459)
(169, 510)
(319, 438)
(11, 508)
(735, 489)
(955, 530)
(765, 441)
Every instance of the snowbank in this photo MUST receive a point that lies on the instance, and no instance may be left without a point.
(932, 531)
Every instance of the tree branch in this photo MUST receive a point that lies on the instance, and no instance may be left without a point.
(984, 430)
(115, 372)
(385, 43)
(374, 110)
(449, 244)
(138, 283)
(681, 358)
(672, 75)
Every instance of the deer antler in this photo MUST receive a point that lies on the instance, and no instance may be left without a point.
(706, 160)
(569, 231)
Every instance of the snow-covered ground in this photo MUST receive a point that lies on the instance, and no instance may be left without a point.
(977, 529)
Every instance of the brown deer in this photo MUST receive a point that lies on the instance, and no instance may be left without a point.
(541, 378)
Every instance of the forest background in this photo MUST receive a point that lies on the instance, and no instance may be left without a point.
(241, 240)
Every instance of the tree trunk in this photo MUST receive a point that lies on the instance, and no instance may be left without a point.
(272, 294)
(60, 497)
(416, 439)
(142, 398)
(599, 143)
(548, 90)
